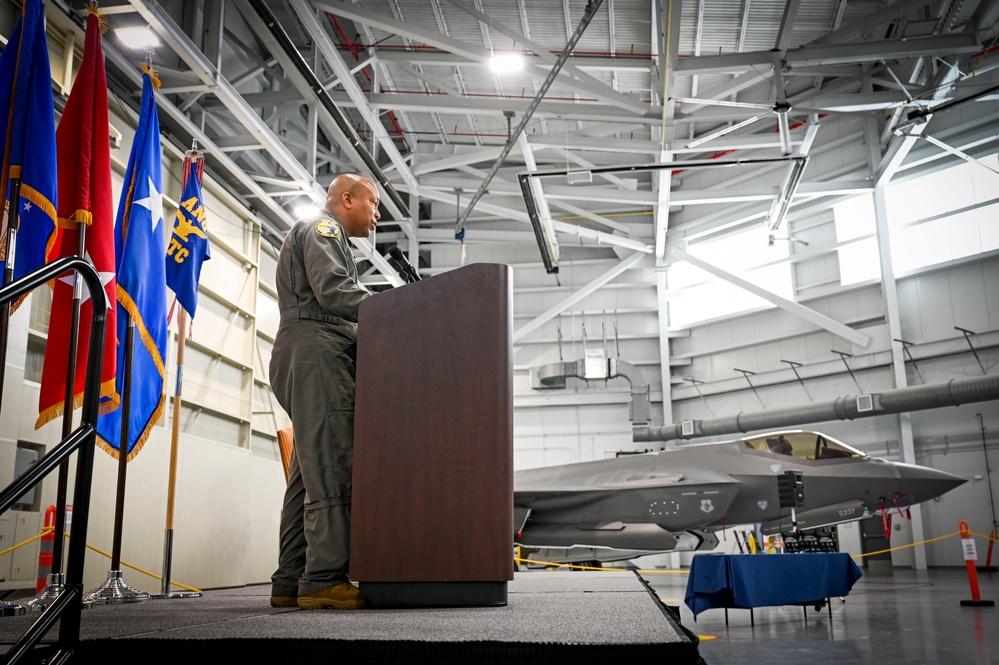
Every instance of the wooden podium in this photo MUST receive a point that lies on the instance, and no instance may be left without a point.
(432, 514)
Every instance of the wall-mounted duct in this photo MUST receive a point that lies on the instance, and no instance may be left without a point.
(931, 396)
(597, 367)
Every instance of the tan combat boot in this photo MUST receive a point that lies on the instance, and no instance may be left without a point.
(342, 596)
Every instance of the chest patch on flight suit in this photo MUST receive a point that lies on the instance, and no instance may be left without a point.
(328, 228)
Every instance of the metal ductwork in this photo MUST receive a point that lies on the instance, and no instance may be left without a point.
(597, 367)
(931, 396)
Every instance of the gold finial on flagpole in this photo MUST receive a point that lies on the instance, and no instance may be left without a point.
(147, 68)
(94, 11)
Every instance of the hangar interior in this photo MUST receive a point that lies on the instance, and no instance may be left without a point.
(755, 204)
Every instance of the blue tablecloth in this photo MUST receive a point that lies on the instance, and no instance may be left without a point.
(754, 580)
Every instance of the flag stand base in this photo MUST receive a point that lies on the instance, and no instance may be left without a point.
(45, 597)
(165, 592)
(177, 594)
(49, 593)
(11, 610)
(114, 590)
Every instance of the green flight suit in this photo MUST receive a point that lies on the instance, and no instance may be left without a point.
(312, 376)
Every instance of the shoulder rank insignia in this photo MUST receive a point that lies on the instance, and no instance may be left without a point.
(328, 228)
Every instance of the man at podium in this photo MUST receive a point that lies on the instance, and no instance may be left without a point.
(312, 375)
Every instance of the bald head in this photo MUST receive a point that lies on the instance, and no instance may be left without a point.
(353, 200)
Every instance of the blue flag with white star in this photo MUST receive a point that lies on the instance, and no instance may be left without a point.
(188, 247)
(139, 242)
(27, 141)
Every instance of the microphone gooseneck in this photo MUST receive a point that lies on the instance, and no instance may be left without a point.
(407, 269)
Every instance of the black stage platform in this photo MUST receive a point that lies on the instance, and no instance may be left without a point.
(551, 617)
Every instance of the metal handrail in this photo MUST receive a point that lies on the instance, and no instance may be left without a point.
(68, 605)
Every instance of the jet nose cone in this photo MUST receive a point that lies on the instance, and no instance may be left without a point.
(922, 483)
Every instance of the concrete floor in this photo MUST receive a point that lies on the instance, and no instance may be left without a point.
(892, 616)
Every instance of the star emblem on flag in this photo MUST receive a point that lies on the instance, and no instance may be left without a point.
(106, 277)
(153, 203)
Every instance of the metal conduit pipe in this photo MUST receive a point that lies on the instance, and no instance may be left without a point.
(931, 396)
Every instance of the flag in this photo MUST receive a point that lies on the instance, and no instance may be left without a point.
(84, 199)
(27, 145)
(188, 247)
(139, 239)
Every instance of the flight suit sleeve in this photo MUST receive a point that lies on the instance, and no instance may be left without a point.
(331, 270)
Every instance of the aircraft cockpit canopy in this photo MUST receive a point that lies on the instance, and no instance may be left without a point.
(801, 444)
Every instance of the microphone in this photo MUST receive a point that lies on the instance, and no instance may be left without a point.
(407, 267)
(398, 268)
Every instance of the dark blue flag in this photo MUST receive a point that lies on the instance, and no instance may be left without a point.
(188, 247)
(28, 146)
(139, 242)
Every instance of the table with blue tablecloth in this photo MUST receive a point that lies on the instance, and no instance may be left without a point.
(746, 581)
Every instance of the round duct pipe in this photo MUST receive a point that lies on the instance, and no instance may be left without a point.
(931, 396)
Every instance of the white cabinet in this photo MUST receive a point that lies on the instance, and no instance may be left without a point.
(23, 560)
(6, 540)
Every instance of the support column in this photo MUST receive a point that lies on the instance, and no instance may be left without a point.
(889, 290)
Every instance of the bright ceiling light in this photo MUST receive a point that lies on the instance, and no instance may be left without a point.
(506, 63)
(306, 210)
(138, 38)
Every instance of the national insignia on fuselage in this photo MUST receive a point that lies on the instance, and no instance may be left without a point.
(328, 228)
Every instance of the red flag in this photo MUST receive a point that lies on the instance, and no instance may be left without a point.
(85, 198)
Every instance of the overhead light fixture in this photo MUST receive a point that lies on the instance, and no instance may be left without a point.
(783, 201)
(306, 210)
(506, 63)
(138, 38)
(781, 110)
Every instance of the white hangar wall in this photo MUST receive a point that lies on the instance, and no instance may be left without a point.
(230, 481)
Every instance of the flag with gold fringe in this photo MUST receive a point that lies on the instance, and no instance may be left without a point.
(140, 240)
(27, 144)
(85, 205)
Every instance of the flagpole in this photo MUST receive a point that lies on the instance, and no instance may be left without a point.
(13, 220)
(193, 165)
(172, 483)
(54, 584)
(114, 589)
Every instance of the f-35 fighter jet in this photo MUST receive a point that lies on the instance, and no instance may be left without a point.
(613, 509)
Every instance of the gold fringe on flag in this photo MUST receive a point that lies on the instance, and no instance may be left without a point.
(114, 452)
(112, 401)
(94, 11)
(126, 303)
(82, 216)
(148, 69)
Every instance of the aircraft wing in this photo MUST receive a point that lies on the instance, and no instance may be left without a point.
(547, 489)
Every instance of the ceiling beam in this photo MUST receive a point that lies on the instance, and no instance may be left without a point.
(588, 111)
(260, 17)
(591, 9)
(810, 315)
(575, 297)
(832, 54)
(475, 52)
(320, 38)
(582, 81)
(171, 33)
(624, 62)
(787, 24)
(869, 22)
